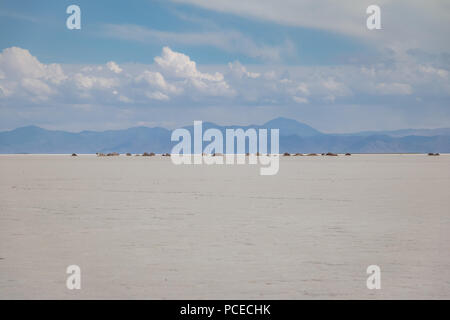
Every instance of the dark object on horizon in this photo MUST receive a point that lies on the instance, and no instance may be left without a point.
(331, 154)
(151, 154)
(166, 154)
(99, 154)
(312, 154)
(348, 154)
(128, 154)
(217, 154)
(258, 154)
(74, 155)
(298, 154)
(286, 154)
(433, 154)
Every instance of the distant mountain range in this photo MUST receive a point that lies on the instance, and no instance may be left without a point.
(294, 137)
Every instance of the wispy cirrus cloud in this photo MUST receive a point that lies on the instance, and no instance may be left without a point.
(231, 41)
(406, 24)
(20, 16)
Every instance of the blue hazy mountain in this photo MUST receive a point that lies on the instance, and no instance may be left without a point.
(290, 127)
(406, 132)
(294, 137)
(33, 139)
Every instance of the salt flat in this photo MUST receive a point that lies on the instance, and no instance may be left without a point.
(141, 227)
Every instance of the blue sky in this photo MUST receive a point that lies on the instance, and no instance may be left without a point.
(171, 62)
(37, 26)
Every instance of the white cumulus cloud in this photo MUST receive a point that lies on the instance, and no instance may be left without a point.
(114, 67)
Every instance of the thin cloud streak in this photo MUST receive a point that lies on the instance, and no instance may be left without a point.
(229, 40)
